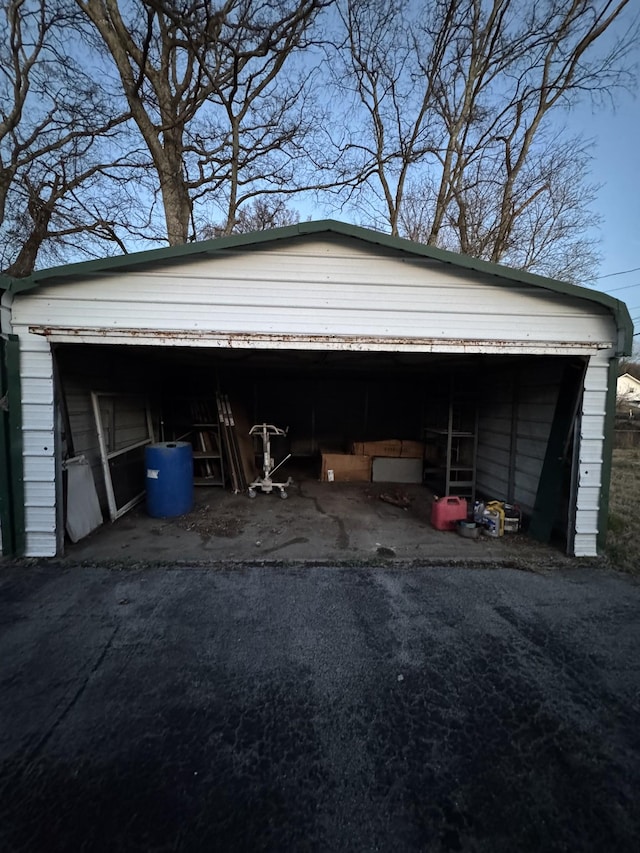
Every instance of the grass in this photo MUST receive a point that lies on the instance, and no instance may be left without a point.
(623, 537)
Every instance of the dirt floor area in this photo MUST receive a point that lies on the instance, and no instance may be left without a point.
(318, 522)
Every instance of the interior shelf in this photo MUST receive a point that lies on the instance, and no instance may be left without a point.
(451, 440)
(203, 431)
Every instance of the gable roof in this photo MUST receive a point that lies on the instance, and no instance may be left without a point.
(206, 248)
(630, 379)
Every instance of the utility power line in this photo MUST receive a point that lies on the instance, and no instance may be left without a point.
(620, 272)
(624, 287)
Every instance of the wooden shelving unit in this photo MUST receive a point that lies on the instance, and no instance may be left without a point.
(208, 461)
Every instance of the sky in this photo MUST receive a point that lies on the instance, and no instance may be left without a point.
(616, 167)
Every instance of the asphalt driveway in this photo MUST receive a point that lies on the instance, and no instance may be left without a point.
(318, 709)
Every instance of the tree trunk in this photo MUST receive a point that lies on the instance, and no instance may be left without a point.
(176, 203)
(25, 263)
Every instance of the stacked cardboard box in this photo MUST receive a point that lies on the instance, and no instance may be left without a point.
(390, 448)
(356, 467)
(345, 468)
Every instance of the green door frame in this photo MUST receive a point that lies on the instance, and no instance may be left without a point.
(11, 465)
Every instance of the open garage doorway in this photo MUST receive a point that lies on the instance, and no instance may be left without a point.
(483, 426)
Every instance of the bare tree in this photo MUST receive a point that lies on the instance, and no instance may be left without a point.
(391, 106)
(462, 114)
(27, 26)
(260, 214)
(551, 218)
(545, 54)
(71, 206)
(443, 121)
(55, 130)
(206, 89)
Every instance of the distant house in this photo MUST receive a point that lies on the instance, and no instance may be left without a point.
(628, 391)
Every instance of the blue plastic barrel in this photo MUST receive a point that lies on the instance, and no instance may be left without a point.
(169, 478)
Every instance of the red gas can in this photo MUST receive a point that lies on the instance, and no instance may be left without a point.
(446, 511)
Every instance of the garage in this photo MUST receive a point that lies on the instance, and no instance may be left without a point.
(338, 334)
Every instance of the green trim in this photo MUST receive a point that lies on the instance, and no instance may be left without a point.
(207, 248)
(6, 504)
(607, 452)
(11, 465)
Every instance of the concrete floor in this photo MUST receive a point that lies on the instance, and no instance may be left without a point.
(344, 522)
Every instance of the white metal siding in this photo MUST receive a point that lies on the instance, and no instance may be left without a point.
(36, 376)
(591, 455)
(317, 288)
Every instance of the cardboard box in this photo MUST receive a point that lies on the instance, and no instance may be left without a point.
(391, 448)
(412, 449)
(345, 468)
(388, 447)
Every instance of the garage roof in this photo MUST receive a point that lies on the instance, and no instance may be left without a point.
(140, 260)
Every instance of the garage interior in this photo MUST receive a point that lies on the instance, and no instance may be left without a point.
(509, 408)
